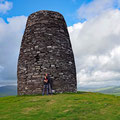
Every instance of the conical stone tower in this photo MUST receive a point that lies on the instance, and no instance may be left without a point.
(46, 48)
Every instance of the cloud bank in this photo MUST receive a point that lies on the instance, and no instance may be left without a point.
(96, 45)
(10, 40)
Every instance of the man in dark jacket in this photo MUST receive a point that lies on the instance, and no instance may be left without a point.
(49, 84)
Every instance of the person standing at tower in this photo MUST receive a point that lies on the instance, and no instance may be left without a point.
(49, 83)
(46, 85)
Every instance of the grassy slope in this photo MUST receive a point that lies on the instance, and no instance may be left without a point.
(79, 106)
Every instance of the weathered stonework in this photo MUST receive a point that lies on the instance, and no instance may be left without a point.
(46, 48)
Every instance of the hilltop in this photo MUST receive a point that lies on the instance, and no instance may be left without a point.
(72, 106)
(8, 90)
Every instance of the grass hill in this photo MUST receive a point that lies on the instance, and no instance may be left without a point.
(113, 90)
(8, 90)
(72, 106)
(108, 90)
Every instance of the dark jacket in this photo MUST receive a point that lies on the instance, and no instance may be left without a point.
(45, 83)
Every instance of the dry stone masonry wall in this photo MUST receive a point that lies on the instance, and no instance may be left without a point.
(46, 48)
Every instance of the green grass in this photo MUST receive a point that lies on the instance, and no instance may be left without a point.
(74, 106)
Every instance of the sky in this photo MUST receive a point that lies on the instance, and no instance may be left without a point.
(94, 29)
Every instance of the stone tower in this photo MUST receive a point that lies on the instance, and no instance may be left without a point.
(46, 48)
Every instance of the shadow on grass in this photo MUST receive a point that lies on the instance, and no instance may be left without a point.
(78, 92)
(82, 92)
(36, 95)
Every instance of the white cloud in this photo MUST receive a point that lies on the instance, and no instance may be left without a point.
(96, 7)
(99, 34)
(10, 40)
(100, 70)
(5, 6)
(98, 79)
(96, 46)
